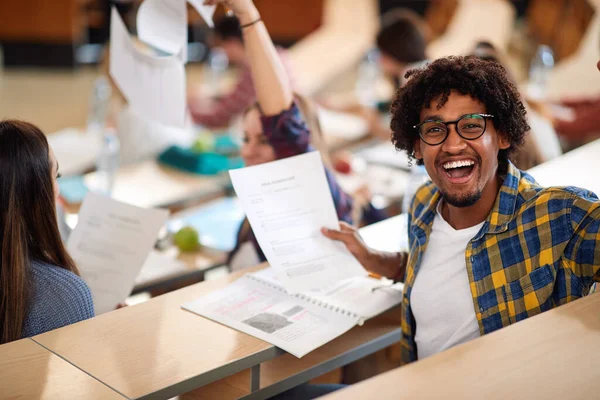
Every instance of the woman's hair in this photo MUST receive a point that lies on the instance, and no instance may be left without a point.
(29, 229)
(483, 80)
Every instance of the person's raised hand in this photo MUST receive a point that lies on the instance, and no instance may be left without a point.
(243, 9)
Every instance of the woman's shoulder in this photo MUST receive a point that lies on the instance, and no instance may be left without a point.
(57, 298)
(57, 279)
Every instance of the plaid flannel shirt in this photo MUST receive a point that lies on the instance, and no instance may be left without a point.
(539, 248)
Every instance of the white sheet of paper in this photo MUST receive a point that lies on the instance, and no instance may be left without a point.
(269, 314)
(163, 24)
(388, 235)
(287, 203)
(153, 86)
(206, 12)
(110, 244)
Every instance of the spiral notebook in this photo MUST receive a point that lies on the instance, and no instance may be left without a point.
(257, 304)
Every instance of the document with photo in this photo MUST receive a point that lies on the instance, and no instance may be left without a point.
(257, 304)
(267, 313)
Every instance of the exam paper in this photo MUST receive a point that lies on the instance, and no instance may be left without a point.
(110, 244)
(154, 86)
(287, 203)
(163, 25)
(206, 12)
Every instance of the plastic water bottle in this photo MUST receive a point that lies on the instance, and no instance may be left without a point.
(217, 63)
(539, 72)
(368, 75)
(107, 162)
(98, 107)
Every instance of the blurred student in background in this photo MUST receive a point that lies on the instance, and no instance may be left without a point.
(280, 125)
(40, 289)
(219, 112)
(541, 143)
(402, 41)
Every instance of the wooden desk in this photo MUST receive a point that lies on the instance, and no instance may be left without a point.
(287, 371)
(578, 167)
(172, 269)
(554, 355)
(156, 349)
(31, 372)
(149, 184)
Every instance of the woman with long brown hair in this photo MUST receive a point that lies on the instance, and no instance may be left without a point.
(40, 289)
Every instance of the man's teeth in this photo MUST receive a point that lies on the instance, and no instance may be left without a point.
(458, 164)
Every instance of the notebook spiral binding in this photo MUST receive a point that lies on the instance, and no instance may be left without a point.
(308, 299)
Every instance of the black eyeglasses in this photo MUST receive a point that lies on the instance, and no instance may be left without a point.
(469, 127)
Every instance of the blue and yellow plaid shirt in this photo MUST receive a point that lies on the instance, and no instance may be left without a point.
(539, 248)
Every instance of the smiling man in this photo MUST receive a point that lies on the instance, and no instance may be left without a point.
(488, 246)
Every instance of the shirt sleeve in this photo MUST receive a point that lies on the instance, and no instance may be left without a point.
(342, 200)
(582, 254)
(287, 132)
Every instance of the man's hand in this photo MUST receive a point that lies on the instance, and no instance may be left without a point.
(351, 238)
(390, 265)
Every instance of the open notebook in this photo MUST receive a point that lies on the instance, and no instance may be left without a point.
(257, 304)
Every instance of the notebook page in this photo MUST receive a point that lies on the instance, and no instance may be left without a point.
(270, 314)
(364, 296)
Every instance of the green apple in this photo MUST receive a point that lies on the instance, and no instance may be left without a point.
(187, 239)
(204, 143)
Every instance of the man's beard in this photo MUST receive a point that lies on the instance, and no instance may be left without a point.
(462, 200)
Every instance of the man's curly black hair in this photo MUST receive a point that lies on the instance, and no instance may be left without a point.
(486, 81)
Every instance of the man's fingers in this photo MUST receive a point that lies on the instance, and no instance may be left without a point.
(336, 235)
(345, 227)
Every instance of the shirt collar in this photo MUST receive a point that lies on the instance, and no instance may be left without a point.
(504, 208)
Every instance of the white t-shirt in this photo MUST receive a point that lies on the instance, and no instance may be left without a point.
(441, 299)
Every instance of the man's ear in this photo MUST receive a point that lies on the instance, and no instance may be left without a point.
(417, 152)
(503, 142)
